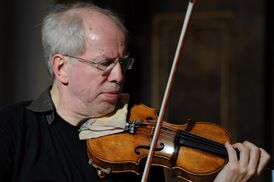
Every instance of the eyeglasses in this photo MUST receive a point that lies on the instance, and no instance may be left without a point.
(107, 65)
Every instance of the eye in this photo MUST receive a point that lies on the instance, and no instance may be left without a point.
(106, 63)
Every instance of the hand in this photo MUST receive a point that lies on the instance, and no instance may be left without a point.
(251, 163)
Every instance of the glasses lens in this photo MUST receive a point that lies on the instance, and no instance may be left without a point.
(105, 65)
(126, 63)
(130, 63)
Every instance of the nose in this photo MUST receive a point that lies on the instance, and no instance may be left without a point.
(116, 74)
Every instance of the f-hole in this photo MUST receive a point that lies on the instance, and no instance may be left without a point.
(137, 149)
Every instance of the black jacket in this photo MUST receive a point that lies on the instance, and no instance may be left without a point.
(38, 145)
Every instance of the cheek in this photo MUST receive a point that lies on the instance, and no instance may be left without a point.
(85, 85)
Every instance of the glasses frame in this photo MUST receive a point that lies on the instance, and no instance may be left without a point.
(125, 62)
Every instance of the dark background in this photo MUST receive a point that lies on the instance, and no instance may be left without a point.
(236, 93)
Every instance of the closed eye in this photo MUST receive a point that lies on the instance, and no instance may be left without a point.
(106, 63)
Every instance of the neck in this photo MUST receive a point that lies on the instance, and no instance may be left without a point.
(65, 106)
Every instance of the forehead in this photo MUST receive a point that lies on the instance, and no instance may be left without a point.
(103, 34)
(96, 22)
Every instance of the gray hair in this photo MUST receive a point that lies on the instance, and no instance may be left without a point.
(63, 30)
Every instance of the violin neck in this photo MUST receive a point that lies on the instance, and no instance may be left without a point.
(187, 139)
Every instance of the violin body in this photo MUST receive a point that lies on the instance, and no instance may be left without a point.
(127, 152)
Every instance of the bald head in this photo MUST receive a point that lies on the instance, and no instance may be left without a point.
(67, 28)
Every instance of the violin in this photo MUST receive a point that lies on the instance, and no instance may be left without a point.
(193, 151)
(179, 148)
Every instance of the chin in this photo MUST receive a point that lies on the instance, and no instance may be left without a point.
(106, 108)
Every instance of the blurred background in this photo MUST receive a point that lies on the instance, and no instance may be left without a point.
(225, 73)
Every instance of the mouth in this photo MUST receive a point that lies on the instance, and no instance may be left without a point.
(111, 96)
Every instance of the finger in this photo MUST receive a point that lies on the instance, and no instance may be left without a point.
(232, 155)
(254, 157)
(244, 158)
(232, 166)
(264, 159)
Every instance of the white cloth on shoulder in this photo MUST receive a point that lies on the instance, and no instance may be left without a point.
(115, 123)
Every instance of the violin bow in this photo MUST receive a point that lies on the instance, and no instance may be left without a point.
(167, 91)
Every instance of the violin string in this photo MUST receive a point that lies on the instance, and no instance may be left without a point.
(203, 140)
(196, 141)
(167, 134)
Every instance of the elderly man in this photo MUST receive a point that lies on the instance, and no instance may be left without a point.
(85, 49)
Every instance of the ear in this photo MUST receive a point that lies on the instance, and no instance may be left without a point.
(60, 68)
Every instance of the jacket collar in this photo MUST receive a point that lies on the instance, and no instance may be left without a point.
(44, 104)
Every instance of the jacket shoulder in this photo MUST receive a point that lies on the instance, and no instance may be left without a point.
(12, 114)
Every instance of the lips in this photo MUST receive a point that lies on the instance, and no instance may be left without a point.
(111, 96)
(112, 93)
